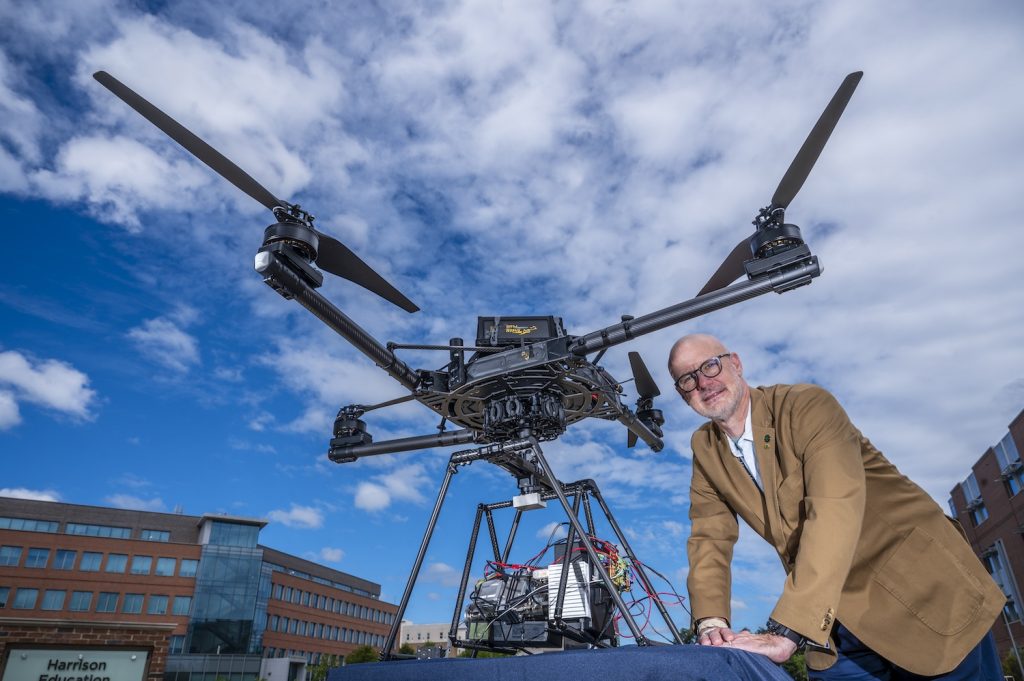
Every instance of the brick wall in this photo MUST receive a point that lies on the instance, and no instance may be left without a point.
(69, 634)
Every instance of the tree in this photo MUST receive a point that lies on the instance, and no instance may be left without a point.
(1010, 667)
(319, 671)
(796, 666)
(362, 654)
(407, 649)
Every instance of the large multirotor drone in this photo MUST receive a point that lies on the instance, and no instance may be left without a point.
(524, 380)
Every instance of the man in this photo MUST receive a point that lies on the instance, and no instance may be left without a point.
(880, 584)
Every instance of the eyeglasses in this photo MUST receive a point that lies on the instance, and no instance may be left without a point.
(710, 368)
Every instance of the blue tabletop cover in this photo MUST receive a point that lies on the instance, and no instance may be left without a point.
(652, 663)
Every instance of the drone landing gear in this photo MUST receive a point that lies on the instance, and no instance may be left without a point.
(581, 492)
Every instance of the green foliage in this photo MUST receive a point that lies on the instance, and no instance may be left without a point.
(796, 666)
(1010, 667)
(318, 672)
(688, 635)
(406, 649)
(483, 654)
(362, 654)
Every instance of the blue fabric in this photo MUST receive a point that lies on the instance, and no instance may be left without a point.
(654, 663)
(857, 662)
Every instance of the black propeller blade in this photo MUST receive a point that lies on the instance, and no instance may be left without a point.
(731, 268)
(805, 159)
(192, 143)
(333, 256)
(336, 258)
(646, 388)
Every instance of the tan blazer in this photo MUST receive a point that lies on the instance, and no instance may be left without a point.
(859, 541)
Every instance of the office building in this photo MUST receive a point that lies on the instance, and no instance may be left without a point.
(989, 504)
(195, 596)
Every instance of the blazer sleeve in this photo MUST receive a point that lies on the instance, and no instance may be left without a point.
(713, 533)
(829, 447)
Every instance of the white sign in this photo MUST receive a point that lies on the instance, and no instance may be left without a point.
(40, 664)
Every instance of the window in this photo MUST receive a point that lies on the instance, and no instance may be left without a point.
(157, 605)
(37, 558)
(296, 595)
(141, 565)
(177, 645)
(278, 589)
(117, 562)
(132, 604)
(64, 559)
(188, 567)
(107, 602)
(90, 561)
(979, 514)
(4, 592)
(165, 567)
(25, 599)
(27, 525)
(10, 555)
(154, 535)
(996, 564)
(275, 621)
(53, 599)
(182, 604)
(99, 531)
(305, 598)
(80, 601)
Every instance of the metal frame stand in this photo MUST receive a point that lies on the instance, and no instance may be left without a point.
(529, 450)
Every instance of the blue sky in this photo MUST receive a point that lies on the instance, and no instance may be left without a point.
(585, 160)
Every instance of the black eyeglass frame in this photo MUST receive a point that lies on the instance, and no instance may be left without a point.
(715, 361)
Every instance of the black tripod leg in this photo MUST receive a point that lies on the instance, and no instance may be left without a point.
(570, 541)
(511, 535)
(641, 573)
(638, 636)
(385, 654)
(453, 632)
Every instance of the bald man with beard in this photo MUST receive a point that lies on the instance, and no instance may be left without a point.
(880, 584)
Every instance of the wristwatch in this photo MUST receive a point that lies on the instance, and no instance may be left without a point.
(777, 629)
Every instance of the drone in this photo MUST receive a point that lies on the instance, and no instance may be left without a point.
(524, 379)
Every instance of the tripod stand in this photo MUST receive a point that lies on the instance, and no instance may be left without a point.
(524, 456)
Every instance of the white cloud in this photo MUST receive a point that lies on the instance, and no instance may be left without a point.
(136, 503)
(330, 554)
(163, 341)
(404, 483)
(25, 493)
(48, 383)
(553, 530)
(9, 414)
(302, 517)
(441, 573)
(115, 175)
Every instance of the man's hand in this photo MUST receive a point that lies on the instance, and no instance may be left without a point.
(778, 649)
(716, 636)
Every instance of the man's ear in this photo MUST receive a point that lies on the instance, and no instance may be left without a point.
(739, 363)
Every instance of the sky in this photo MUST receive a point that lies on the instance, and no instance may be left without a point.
(578, 159)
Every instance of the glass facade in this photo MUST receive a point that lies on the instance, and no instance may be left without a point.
(227, 588)
(233, 534)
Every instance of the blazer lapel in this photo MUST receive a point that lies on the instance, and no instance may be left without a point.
(745, 494)
(767, 462)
